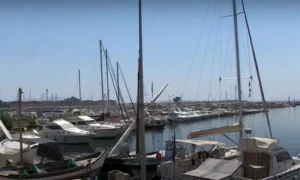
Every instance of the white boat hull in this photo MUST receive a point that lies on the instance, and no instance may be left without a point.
(13, 154)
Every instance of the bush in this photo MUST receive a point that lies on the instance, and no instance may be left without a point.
(6, 119)
(31, 123)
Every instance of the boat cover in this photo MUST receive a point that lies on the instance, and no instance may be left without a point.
(199, 142)
(257, 144)
(214, 169)
(9, 147)
(220, 130)
(48, 148)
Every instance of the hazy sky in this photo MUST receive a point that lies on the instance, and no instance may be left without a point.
(44, 43)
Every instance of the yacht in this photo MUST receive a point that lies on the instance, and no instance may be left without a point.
(64, 132)
(26, 135)
(187, 114)
(101, 130)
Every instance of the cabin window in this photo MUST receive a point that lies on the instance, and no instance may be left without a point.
(53, 127)
(81, 123)
(74, 123)
(283, 156)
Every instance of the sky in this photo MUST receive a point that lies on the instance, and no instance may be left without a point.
(187, 44)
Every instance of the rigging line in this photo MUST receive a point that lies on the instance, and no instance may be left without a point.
(114, 77)
(128, 91)
(221, 50)
(206, 50)
(221, 39)
(194, 55)
(214, 54)
(230, 32)
(245, 51)
(248, 46)
(115, 88)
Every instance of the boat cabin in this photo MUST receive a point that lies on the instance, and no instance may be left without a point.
(263, 157)
(185, 160)
(87, 123)
(61, 127)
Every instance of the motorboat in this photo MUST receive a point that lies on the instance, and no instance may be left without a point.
(65, 132)
(154, 122)
(187, 114)
(101, 130)
(26, 135)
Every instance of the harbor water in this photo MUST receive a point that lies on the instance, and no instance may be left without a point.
(285, 124)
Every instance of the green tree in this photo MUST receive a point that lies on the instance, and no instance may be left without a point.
(177, 99)
(6, 119)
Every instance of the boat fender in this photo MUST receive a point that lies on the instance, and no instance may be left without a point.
(158, 157)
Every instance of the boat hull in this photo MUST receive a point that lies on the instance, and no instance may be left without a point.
(70, 139)
(28, 157)
(107, 133)
(85, 170)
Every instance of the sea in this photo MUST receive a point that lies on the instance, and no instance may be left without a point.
(285, 126)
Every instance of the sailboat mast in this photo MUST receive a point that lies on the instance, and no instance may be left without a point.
(137, 145)
(107, 82)
(118, 83)
(20, 126)
(152, 90)
(257, 72)
(79, 90)
(237, 54)
(141, 98)
(101, 69)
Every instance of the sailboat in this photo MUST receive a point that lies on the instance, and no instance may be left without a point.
(261, 158)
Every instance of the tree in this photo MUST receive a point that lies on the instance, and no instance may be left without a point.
(177, 99)
(6, 119)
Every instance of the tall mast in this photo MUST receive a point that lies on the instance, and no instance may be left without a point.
(79, 90)
(237, 54)
(118, 83)
(141, 98)
(138, 115)
(20, 126)
(107, 82)
(101, 69)
(152, 89)
(118, 87)
(257, 72)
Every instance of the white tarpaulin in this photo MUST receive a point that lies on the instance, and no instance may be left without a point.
(10, 150)
(257, 144)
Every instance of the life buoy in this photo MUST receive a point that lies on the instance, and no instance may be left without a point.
(158, 157)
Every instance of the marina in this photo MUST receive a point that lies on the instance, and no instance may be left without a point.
(230, 131)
